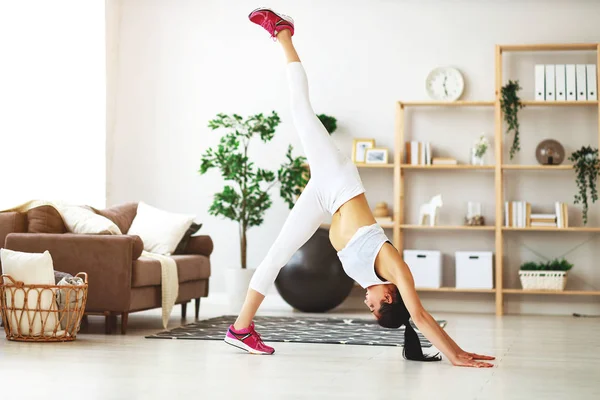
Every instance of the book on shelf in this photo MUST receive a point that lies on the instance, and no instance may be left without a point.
(443, 161)
(418, 153)
(517, 214)
(543, 224)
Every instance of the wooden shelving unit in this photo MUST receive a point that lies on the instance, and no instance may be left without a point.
(362, 165)
(456, 290)
(554, 292)
(448, 227)
(533, 103)
(448, 167)
(538, 167)
(499, 168)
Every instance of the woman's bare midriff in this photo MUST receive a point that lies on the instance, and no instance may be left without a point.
(352, 215)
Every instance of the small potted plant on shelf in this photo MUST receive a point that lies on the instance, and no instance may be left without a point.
(247, 198)
(551, 275)
(478, 151)
(586, 164)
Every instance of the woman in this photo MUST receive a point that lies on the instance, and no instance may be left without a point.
(367, 255)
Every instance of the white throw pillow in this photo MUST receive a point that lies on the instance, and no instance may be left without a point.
(160, 231)
(31, 269)
(82, 220)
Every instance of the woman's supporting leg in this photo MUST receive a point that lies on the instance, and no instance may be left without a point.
(322, 153)
(304, 219)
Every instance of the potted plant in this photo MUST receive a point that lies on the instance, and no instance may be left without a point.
(551, 275)
(511, 104)
(585, 161)
(478, 151)
(330, 123)
(247, 198)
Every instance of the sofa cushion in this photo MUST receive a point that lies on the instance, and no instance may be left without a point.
(83, 220)
(183, 243)
(160, 230)
(122, 215)
(146, 271)
(45, 219)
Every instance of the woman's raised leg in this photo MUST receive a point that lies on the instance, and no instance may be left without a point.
(322, 153)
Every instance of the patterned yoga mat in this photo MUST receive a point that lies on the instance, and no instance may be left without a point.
(299, 330)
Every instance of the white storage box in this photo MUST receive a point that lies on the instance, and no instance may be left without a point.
(474, 270)
(425, 266)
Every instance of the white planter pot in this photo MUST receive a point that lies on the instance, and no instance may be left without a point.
(238, 280)
(543, 280)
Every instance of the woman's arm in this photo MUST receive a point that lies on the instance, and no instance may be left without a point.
(391, 267)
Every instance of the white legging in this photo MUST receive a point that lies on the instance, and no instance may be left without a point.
(334, 180)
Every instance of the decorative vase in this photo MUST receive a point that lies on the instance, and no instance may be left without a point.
(238, 280)
(475, 159)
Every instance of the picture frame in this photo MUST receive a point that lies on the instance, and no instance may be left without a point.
(359, 147)
(376, 155)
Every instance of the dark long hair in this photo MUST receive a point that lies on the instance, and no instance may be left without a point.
(395, 315)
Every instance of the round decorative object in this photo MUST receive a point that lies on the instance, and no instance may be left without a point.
(314, 280)
(550, 152)
(381, 210)
(445, 84)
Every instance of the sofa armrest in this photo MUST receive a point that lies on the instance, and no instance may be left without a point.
(201, 245)
(106, 259)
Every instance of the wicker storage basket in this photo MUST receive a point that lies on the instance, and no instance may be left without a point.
(31, 323)
(543, 280)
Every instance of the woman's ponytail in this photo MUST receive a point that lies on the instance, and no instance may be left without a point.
(395, 315)
(412, 346)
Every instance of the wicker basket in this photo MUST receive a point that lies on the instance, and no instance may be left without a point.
(543, 280)
(33, 323)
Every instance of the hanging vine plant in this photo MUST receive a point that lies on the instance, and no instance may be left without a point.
(511, 103)
(586, 164)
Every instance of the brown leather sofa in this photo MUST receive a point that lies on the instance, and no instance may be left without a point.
(120, 280)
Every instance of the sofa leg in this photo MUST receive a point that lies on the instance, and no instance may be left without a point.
(124, 319)
(197, 306)
(107, 323)
(183, 310)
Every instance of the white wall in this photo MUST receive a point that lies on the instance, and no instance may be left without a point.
(181, 62)
(52, 101)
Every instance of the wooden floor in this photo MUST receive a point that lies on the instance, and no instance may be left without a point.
(538, 358)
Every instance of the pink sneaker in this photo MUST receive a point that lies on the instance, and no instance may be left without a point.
(272, 21)
(247, 339)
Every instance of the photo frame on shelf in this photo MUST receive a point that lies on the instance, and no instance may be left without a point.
(376, 155)
(359, 148)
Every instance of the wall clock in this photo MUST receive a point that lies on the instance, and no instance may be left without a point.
(445, 84)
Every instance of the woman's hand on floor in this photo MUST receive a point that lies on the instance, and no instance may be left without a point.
(464, 359)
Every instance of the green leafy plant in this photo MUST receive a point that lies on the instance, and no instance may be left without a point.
(585, 162)
(330, 123)
(511, 104)
(247, 199)
(552, 265)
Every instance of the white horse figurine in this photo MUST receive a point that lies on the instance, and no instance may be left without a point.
(430, 210)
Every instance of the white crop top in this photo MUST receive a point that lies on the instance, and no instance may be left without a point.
(358, 257)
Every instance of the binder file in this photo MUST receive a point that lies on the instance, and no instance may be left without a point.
(561, 86)
(580, 81)
(540, 85)
(550, 83)
(570, 81)
(592, 90)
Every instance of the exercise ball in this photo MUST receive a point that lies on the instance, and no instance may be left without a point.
(314, 280)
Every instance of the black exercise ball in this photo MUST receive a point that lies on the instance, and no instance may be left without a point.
(314, 280)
